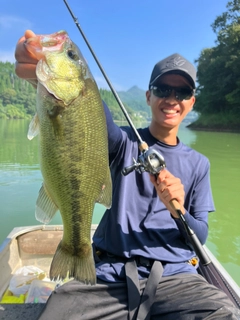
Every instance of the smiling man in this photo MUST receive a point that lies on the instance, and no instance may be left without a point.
(170, 96)
(146, 267)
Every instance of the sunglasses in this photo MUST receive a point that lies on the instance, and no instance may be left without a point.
(165, 91)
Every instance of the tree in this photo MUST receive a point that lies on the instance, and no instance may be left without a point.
(218, 72)
(8, 96)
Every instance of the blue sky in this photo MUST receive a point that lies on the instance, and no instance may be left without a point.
(127, 36)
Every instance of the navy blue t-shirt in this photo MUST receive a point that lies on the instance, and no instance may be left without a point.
(138, 223)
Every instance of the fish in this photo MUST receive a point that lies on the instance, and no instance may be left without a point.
(73, 150)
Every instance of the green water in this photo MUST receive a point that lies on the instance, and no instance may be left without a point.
(20, 180)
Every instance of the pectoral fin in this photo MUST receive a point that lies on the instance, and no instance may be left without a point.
(105, 197)
(45, 207)
(33, 129)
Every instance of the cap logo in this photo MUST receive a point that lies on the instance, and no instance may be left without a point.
(175, 62)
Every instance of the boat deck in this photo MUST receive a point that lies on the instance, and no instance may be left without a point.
(27, 246)
(36, 245)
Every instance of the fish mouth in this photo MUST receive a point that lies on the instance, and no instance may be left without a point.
(61, 68)
(41, 43)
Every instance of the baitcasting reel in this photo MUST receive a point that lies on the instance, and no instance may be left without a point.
(149, 160)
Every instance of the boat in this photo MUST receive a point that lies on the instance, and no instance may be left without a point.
(36, 245)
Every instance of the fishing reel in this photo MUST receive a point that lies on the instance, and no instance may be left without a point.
(149, 160)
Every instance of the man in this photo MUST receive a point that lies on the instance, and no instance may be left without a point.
(145, 264)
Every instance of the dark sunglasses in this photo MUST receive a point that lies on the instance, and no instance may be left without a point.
(165, 91)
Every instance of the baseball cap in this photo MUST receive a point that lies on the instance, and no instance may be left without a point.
(175, 64)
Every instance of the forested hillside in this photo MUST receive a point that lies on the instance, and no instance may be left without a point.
(136, 98)
(18, 98)
(135, 110)
(218, 75)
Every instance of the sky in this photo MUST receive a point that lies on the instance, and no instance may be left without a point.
(127, 36)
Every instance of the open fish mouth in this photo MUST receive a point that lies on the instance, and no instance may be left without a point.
(61, 68)
(39, 44)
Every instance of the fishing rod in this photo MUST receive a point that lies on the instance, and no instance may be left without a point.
(149, 160)
(142, 144)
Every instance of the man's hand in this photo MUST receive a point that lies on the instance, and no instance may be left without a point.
(168, 188)
(25, 66)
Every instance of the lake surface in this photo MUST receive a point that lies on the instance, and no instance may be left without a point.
(20, 180)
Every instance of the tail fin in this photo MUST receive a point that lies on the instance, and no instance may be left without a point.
(80, 268)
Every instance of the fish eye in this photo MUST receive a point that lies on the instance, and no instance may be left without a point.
(72, 55)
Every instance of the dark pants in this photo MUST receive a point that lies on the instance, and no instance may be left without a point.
(183, 296)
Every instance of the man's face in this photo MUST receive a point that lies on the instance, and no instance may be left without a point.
(169, 112)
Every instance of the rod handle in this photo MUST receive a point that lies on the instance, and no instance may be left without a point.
(175, 204)
(197, 246)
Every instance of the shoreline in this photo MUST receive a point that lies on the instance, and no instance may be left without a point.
(214, 129)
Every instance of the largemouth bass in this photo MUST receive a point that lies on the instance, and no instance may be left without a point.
(72, 131)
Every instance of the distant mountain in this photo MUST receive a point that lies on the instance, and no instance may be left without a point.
(135, 98)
